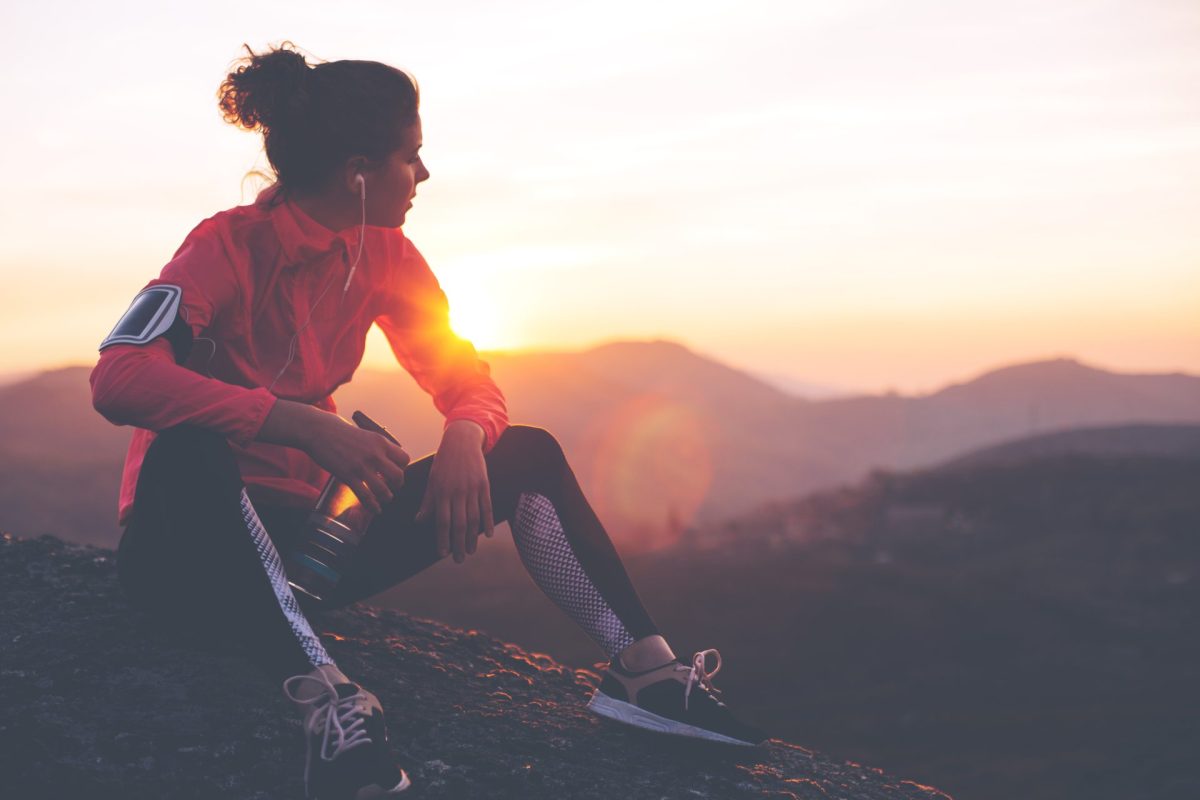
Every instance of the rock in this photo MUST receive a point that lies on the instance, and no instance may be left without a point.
(134, 715)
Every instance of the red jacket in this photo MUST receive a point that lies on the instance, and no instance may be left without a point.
(250, 276)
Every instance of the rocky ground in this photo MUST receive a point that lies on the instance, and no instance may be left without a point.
(96, 705)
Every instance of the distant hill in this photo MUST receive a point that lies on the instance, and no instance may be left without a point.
(60, 461)
(1065, 393)
(998, 406)
(847, 512)
(660, 437)
(8, 378)
(805, 389)
(1168, 441)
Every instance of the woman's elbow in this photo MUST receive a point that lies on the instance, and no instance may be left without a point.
(111, 379)
(105, 397)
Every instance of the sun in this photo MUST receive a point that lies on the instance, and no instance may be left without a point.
(475, 316)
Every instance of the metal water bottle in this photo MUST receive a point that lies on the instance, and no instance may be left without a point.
(333, 531)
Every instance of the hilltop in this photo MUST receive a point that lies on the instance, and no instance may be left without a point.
(99, 706)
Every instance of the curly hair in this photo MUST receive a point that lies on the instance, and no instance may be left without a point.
(315, 117)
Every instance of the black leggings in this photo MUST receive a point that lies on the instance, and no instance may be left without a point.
(202, 560)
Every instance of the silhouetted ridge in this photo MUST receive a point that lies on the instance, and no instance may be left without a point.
(96, 707)
(982, 623)
(1167, 441)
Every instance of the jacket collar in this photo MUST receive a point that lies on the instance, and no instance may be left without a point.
(302, 237)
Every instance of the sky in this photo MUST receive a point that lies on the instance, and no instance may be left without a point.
(868, 196)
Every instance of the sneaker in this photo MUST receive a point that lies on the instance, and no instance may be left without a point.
(677, 698)
(347, 754)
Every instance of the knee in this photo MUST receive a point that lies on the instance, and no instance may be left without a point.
(185, 449)
(188, 436)
(535, 446)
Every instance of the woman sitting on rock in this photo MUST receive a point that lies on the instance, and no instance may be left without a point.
(226, 364)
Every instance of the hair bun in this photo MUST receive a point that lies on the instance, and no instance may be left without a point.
(266, 88)
(315, 117)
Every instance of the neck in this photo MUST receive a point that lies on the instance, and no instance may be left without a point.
(333, 213)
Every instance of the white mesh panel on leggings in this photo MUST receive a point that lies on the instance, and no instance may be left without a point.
(548, 556)
(271, 562)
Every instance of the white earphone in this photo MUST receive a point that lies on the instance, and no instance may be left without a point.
(362, 193)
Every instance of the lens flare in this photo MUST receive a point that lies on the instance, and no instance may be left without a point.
(652, 470)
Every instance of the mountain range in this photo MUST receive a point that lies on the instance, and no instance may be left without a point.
(659, 436)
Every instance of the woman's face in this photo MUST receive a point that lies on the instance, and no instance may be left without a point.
(392, 186)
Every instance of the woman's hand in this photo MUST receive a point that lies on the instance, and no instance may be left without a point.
(368, 463)
(458, 495)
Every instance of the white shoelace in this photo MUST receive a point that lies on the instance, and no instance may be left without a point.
(697, 675)
(341, 718)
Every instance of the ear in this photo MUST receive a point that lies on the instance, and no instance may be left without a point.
(355, 165)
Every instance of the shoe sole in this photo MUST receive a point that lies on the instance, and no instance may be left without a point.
(371, 792)
(630, 714)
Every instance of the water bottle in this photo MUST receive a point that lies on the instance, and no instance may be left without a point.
(333, 531)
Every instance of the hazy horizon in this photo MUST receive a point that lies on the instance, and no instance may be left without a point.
(784, 383)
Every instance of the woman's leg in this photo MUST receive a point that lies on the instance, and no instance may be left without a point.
(200, 561)
(197, 556)
(568, 553)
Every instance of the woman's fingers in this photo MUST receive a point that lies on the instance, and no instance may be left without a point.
(362, 492)
(471, 503)
(459, 521)
(485, 507)
(397, 455)
(426, 506)
(393, 474)
(366, 496)
(443, 525)
(380, 494)
(458, 529)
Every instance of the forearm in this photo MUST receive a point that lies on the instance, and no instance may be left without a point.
(484, 406)
(293, 424)
(465, 432)
(143, 386)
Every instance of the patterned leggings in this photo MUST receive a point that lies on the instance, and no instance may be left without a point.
(203, 561)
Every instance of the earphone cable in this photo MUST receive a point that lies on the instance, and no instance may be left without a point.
(295, 337)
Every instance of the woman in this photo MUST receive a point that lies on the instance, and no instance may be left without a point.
(227, 362)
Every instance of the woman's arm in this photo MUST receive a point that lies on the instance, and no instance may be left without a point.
(142, 385)
(416, 322)
(459, 496)
(355, 456)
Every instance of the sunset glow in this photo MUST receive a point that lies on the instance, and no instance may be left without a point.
(861, 195)
(651, 436)
(475, 317)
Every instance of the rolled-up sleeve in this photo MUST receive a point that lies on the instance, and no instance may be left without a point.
(142, 385)
(415, 318)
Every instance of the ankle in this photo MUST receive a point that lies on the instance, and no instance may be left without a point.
(646, 653)
(326, 673)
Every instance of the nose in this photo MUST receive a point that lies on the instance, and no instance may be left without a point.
(423, 174)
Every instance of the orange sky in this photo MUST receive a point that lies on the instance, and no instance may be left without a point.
(866, 195)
